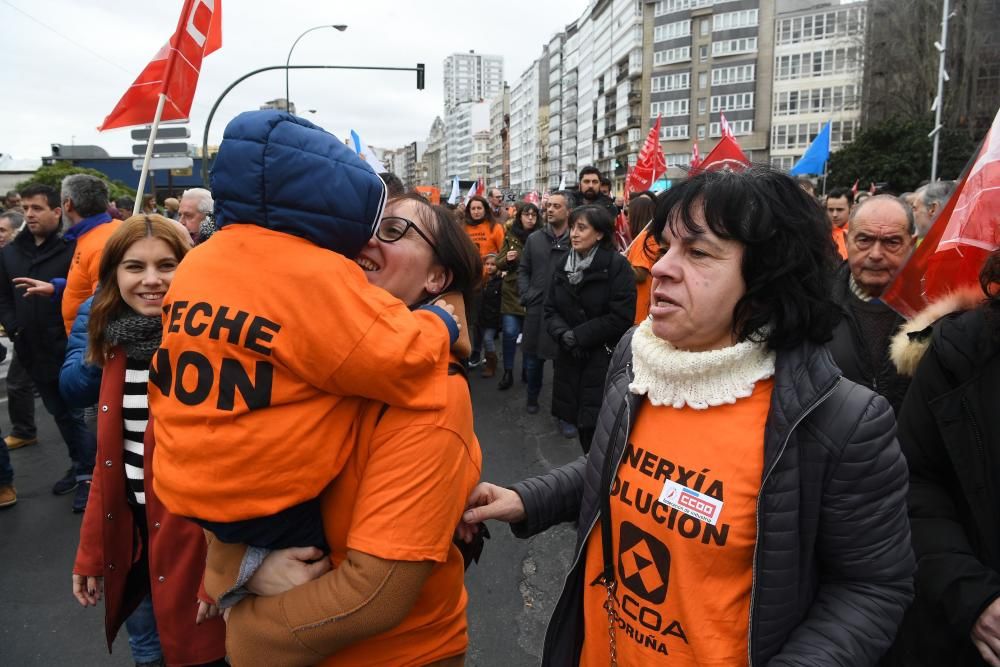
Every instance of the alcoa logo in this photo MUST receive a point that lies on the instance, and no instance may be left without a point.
(643, 563)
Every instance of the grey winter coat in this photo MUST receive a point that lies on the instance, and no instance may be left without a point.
(542, 254)
(833, 567)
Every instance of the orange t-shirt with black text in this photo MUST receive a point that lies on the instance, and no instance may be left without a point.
(270, 346)
(642, 254)
(488, 241)
(840, 240)
(683, 511)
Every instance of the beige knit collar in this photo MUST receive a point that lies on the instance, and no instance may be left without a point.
(668, 376)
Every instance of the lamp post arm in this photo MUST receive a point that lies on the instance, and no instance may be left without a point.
(288, 60)
(211, 114)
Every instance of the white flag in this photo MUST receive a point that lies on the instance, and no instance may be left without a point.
(453, 199)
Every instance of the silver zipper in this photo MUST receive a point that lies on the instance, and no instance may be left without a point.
(767, 474)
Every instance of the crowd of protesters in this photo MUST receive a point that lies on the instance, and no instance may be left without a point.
(777, 468)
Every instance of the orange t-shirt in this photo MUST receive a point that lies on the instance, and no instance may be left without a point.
(400, 497)
(486, 239)
(643, 253)
(270, 345)
(840, 239)
(683, 582)
(84, 272)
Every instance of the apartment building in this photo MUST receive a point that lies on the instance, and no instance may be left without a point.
(528, 105)
(818, 72)
(709, 57)
(471, 77)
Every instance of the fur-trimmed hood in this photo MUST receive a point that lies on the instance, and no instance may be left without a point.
(914, 337)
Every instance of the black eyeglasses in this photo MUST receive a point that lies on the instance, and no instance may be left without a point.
(392, 228)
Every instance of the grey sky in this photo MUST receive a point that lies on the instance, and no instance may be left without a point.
(58, 92)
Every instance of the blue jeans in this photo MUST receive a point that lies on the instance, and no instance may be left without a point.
(489, 340)
(143, 638)
(512, 325)
(536, 371)
(80, 440)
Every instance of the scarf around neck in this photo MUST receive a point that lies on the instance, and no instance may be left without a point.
(576, 264)
(668, 376)
(140, 335)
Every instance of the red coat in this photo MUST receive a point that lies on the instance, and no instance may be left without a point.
(109, 543)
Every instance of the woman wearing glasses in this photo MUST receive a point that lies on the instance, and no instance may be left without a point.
(395, 595)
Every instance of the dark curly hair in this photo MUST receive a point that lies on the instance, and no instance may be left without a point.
(788, 251)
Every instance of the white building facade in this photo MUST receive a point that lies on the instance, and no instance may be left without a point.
(818, 72)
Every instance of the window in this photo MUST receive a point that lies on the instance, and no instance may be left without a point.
(737, 74)
(730, 20)
(817, 100)
(701, 131)
(702, 53)
(680, 81)
(669, 108)
(841, 60)
(678, 159)
(706, 27)
(733, 102)
(828, 25)
(680, 54)
(738, 127)
(702, 104)
(662, 33)
(731, 46)
(800, 135)
(702, 80)
(670, 6)
(784, 162)
(671, 132)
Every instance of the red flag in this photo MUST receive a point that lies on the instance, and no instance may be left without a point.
(650, 165)
(963, 234)
(695, 156)
(173, 70)
(724, 125)
(532, 198)
(727, 154)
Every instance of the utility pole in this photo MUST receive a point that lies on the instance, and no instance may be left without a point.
(942, 77)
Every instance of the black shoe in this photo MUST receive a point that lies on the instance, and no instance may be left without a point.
(81, 497)
(66, 484)
(475, 361)
(532, 408)
(507, 381)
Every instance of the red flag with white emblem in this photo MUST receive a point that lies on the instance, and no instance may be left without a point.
(962, 236)
(174, 69)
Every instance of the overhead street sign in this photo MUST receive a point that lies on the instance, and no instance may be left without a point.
(176, 132)
(176, 148)
(158, 163)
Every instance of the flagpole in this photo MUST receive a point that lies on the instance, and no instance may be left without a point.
(824, 179)
(149, 153)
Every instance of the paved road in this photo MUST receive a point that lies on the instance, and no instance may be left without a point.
(512, 590)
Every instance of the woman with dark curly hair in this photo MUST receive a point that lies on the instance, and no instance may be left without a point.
(742, 503)
(949, 428)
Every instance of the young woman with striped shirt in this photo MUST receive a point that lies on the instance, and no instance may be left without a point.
(131, 548)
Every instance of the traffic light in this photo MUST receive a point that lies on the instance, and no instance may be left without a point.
(420, 76)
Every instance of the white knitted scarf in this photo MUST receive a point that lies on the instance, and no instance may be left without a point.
(668, 376)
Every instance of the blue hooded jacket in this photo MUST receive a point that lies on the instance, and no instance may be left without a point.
(282, 172)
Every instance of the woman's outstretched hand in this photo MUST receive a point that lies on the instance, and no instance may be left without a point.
(489, 501)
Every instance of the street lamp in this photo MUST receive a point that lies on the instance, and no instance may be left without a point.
(340, 27)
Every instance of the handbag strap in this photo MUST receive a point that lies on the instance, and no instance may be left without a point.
(607, 546)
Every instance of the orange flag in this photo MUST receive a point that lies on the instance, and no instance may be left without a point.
(173, 70)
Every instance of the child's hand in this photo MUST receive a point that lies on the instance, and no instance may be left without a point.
(450, 309)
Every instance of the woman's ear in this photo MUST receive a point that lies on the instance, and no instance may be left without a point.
(438, 280)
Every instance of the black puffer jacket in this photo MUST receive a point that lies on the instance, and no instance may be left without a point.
(543, 252)
(949, 429)
(849, 348)
(35, 323)
(599, 311)
(833, 566)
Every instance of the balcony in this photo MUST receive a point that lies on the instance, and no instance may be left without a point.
(634, 96)
(634, 121)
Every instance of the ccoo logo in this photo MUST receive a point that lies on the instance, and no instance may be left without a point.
(643, 563)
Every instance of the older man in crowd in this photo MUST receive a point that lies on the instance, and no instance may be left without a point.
(880, 238)
(196, 206)
(497, 208)
(927, 203)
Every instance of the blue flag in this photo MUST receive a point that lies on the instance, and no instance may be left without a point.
(814, 160)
